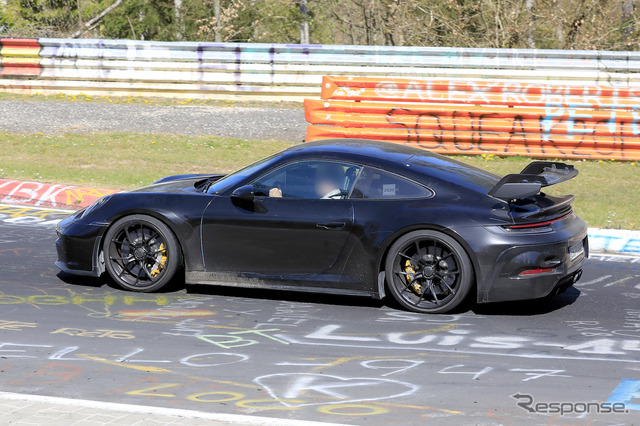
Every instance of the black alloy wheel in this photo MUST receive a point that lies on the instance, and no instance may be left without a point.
(141, 253)
(428, 272)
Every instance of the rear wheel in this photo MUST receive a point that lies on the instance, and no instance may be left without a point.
(428, 272)
(141, 253)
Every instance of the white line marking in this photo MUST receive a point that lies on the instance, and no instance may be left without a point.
(604, 256)
(618, 281)
(238, 419)
(597, 280)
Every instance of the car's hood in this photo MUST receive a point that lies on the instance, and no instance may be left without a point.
(179, 185)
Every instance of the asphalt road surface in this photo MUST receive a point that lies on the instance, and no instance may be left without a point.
(284, 124)
(323, 358)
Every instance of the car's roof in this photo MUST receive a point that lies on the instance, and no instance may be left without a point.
(363, 147)
(398, 157)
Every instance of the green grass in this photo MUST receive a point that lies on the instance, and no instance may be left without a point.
(607, 193)
(151, 101)
(123, 160)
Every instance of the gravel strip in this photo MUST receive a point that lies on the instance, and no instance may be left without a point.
(263, 123)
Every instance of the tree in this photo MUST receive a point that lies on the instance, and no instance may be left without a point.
(548, 24)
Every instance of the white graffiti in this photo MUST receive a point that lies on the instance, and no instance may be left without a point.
(328, 389)
(461, 341)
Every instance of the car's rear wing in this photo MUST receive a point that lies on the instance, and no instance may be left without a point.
(531, 179)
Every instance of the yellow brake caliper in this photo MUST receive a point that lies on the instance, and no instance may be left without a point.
(409, 270)
(163, 259)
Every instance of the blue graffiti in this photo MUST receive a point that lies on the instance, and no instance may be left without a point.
(625, 393)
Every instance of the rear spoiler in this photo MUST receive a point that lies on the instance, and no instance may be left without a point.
(529, 181)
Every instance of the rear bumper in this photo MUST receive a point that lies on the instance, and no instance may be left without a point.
(535, 266)
(506, 283)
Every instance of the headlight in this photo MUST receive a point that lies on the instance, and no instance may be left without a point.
(93, 206)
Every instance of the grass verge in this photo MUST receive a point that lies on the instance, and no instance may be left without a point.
(607, 193)
(123, 160)
(151, 101)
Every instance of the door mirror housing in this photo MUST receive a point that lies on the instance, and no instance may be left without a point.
(245, 198)
(244, 193)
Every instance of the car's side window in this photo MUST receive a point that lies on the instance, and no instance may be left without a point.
(376, 184)
(309, 179)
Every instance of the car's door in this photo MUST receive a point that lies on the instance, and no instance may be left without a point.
(294, 234)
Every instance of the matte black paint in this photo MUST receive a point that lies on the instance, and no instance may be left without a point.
(339, 245)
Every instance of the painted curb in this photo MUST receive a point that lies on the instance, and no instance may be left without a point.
(49, 195)
(77, 197)
(614, 241)
(234, 419)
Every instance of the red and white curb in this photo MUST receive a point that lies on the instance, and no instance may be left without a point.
(77, 197)
(49, 195)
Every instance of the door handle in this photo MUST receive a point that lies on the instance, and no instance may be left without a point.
(331, 225)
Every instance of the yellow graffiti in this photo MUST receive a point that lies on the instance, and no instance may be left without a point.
(16, 325)
(248, 403)
(76, 195)
(52, 300)
(166, 313)
(16, 251)
(215, 326)
(151, 391)
(232, 340)
(131, 366)
(27, 211)
(342, 360)
(198, 397)
(114, 334)
(365, 410)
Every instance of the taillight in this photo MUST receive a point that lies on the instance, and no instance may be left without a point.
(535, 271)
(537, 224)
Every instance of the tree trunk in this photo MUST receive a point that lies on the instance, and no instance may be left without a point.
(96, 19)
(177, 12)
(529, 6)
(216, 13)
(304, 25)
(627, 24)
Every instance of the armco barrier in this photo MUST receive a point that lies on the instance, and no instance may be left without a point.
(482, 117)
(280, 71)
(19, 57)
(48, 195)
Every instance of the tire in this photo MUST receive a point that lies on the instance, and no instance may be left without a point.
(141, 253)
(428, 272)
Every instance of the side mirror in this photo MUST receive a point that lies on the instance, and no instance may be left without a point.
(244, 193)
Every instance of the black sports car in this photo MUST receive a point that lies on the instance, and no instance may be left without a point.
(344, 216)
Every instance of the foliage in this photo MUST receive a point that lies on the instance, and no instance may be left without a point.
(554, 24)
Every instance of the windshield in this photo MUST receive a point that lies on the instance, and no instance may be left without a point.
(235, 178)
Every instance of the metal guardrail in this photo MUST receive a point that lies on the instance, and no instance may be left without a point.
(280, 71)
(481, 117)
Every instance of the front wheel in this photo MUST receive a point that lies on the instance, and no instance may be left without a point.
(428, 272)
(141, 253)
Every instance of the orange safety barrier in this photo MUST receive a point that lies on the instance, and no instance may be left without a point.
(489, 117)
(20, 56)
(479, 92)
